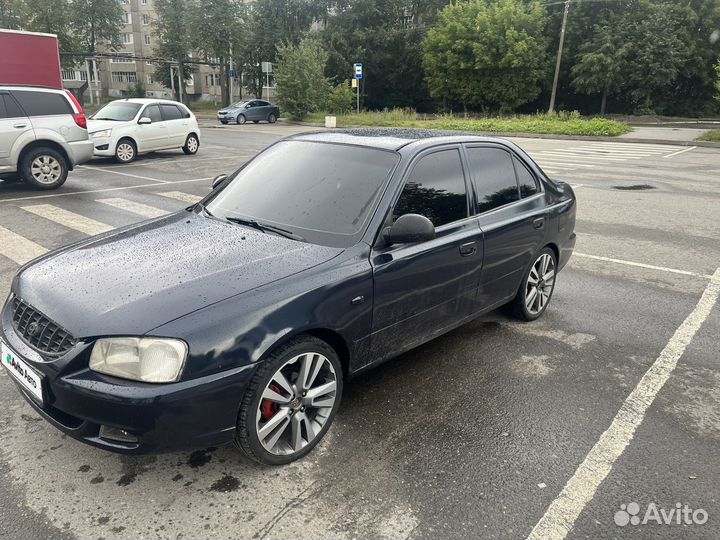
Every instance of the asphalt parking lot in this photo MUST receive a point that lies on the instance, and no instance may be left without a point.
(499, 429)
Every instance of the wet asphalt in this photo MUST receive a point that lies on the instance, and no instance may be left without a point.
(471, 435)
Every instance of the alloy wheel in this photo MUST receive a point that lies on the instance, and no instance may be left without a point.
(296, 403)
(125, 151)
(46, 169)
(540, 283)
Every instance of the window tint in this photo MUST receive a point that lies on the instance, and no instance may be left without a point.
(153, 113)
(494, 177)
(12, 109)
(170, 112)
(323, 192)
(2, 107)
(42, 103)
(528, 184)
(435, 189)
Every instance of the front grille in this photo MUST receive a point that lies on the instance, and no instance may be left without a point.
(38, 331)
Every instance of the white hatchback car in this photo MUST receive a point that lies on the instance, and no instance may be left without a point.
(125, 128)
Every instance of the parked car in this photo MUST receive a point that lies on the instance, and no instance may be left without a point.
(241, 317)
(43, 135)
(254, 110)
(125, 128)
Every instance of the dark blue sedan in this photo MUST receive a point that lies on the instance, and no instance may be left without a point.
(239, 318)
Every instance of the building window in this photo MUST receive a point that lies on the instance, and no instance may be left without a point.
(213, 79)
(144, 2)
(146, 19)
(150, 79)
(124, 76)
(147, 39)
(119, 60)
(127, 18)
(127, 38)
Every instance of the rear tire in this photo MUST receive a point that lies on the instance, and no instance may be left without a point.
(537, 287)
(125, 151)
(44, 168)
(192, 144)
(272, 118)
(290, 402)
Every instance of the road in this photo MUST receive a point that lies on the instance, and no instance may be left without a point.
(489, 431)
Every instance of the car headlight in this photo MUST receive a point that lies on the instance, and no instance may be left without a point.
(155, 360)
(101, 134)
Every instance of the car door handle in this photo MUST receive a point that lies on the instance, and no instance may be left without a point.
(539, 223)
(468, 249)
(19, 126)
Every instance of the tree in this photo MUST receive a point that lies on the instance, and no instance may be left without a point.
(10, 14)
(97, 22)
(340, 100)
(491, 54)
(300, 78)
(171, 29)
(600, 65)
(49, 16)
(717, 80)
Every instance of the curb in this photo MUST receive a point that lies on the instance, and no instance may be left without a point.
(630, 140)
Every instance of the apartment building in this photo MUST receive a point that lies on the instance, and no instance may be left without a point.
(119, 75)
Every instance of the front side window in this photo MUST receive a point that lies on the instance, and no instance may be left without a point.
(494, 177)
(119, 111)
(153, 113)
(42, 103)
(323, 192)
(435, 189)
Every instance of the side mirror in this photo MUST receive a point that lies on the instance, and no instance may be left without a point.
(410, 228)
(218, 180)
(145, 120)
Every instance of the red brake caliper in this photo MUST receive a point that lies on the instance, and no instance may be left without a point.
(269, 408)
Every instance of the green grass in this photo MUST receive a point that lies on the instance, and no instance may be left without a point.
(554, 124)
(712, 136)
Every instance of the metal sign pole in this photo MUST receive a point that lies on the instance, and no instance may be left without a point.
(87, 72)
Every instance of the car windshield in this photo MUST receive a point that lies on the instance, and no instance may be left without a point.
(119, 111)
(324, 193)
(238, 105)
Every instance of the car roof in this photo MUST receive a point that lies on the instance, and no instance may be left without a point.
(145, 101)
(33, 88)
(393, 138)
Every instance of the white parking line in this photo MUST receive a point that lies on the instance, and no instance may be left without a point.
(106, 170)
(180, 196)
(104, 190)
(140, 209)
(560, 517)
(680, 152)
(561, 163)
(641, 265)
(68, 219)
(188, 160)
(18, 248)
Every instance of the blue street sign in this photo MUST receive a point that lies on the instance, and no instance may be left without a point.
(232, 73)
(358, 71)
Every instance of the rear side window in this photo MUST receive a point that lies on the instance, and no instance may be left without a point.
(42, 103)
(526, 179)
(435, 189)
(171, 112)
(12, 110)
(494, 177)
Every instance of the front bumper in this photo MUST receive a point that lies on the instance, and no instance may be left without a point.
(159, 417)
(103, 147)
(80, 151)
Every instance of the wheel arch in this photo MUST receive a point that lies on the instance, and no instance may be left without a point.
(46, 143)
(556, 250)
(331, 337)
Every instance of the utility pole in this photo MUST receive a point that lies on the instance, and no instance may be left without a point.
(230, 75)
(559, 57)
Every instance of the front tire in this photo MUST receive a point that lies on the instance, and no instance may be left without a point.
(125, 151)
(44, 168)
(241, 119)
(290, 402)
(536, 288)
(192, 144)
